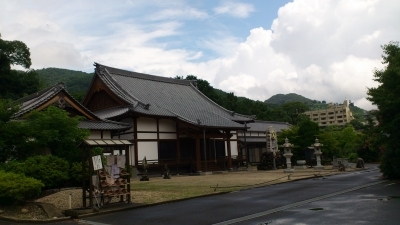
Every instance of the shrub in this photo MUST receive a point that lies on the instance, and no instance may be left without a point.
(51, 170)
(15, 188)
(352, 157)
(14, 167)
(75, 173)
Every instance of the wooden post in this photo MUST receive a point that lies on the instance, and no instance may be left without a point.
(90, 178)
(228, 146)
(198, 155)
(129, 169)
(83, 177)
(178, 149)
(135, 141)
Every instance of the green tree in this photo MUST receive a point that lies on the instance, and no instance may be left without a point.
(386, 97)
(15, 84)
(52, 129)
(293, 110)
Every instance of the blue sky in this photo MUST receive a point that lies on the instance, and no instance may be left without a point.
(321, 49)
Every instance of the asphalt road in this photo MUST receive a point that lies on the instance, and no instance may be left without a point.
(351, 198)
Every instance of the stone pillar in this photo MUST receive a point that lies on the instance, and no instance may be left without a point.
(287, 147)
(317, 152)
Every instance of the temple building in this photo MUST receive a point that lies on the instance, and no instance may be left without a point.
(172, 121)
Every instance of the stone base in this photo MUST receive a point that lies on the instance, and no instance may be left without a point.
(288, 171)
(300, 167)
(319, 167)
(144, 178)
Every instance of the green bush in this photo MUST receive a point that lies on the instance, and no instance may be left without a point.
(352, 157)
(14, 167)
(390, 165)
(51, 170)
(15, 188)
(75, 173)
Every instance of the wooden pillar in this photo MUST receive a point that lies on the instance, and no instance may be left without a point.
(198, 156)
(84, 149)
(228, 146)
(178, 149)
(135, 141)
(128, 166)
(90, 178)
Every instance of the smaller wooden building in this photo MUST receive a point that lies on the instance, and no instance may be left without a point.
(254, 140)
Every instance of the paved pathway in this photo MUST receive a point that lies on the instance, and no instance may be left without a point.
(347, 198)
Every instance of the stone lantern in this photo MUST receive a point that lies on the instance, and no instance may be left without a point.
(317, 152)
(287, 147)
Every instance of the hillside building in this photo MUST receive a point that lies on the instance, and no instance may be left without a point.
(333, 115)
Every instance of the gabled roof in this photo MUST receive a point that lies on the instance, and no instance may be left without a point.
(49, 96)
(59, 95)
(103, 125)
(168, 97)
(262, 126)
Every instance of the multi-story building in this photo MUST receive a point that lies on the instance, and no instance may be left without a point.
(333, 115)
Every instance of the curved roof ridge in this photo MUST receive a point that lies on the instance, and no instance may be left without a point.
(31, 101)
(232, 113)
(37, 100)
(145, 76)
(116, 88)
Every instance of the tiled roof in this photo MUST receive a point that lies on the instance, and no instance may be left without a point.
(261, 126)
(34, 101)
(112, 112)
(253, 139)
(161, 96)
(103, 125)
(37, 99)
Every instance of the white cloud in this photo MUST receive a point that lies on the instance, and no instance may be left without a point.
(323, 50)
(235, 9)
(179, 13)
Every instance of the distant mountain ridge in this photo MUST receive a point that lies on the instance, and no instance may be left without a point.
(280, 99)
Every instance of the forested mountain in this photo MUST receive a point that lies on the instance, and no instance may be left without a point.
(77, 82)
(280, 99)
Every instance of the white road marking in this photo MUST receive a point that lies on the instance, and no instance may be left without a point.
(91, 222)
(264, 213)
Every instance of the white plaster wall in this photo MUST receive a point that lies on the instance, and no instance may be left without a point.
(234, 136)
(106, 134)
(167, 125)
(147, 136)
(146, 124)
(167, 136)
(234, 148)
(94, 135)
(148, 149)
